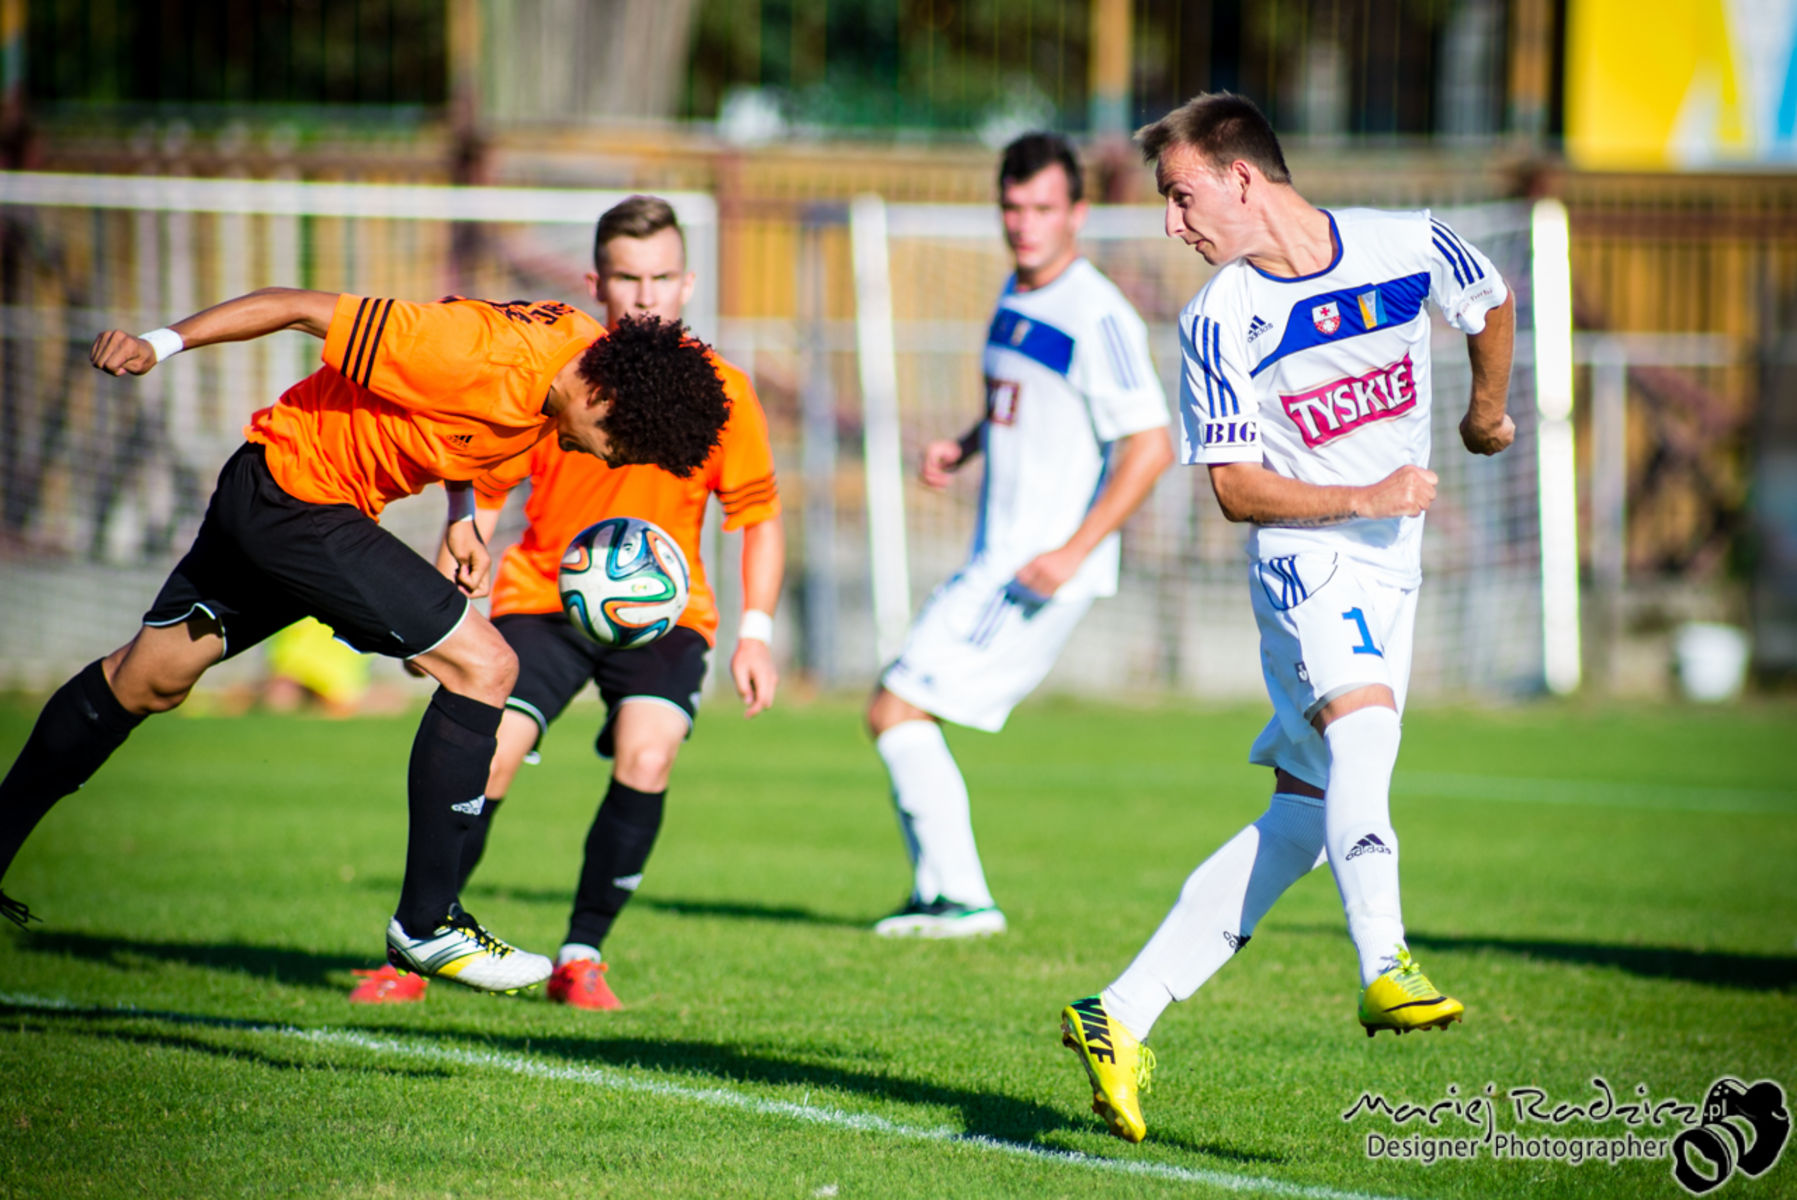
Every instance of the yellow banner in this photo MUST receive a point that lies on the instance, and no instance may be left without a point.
(1681, 83)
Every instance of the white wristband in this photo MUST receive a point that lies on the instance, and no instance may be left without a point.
(756, 625)
(165, 342)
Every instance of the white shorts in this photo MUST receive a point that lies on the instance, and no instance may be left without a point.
(1326, 628)
(980, 645)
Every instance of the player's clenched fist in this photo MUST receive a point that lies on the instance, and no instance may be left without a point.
(940, 458)
(1482, 439)
(1406, 492)
(118, 353)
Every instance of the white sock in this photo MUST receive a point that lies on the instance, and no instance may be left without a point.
(1217, 910)
(574, 951)
(931, 798)
(1363, 848)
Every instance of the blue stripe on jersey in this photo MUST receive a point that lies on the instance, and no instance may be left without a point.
(1401, 300)
(1454, 250)
(1460, 247)
(1453, 262)
(1207, 337)
(1031, 338)
(1210, 388)
(1113, 340)
(1223, 385)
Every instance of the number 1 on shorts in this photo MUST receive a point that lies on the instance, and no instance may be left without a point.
(1366, 635)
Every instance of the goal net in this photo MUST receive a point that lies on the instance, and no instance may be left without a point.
(1181, 622)
(103, 481)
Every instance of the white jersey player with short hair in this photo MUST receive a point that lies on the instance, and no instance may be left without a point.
(1067, 375)
(1306, 393)
(1326, 379)
(1074, 434)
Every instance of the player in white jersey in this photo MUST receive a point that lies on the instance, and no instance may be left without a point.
(1075, 435)
(1306, 393)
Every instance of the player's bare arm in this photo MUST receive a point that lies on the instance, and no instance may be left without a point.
(484, 522)
(764, 569)
(943, 457)
(1140, 461)
(261, 312)
(1487, 428)
(469, 564)
(1250, 492)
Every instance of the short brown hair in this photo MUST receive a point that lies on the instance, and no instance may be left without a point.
(635, 217)
(1224, 128)
(1034, 153)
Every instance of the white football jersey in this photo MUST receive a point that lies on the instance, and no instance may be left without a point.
(1067, 373)
(1325, 378)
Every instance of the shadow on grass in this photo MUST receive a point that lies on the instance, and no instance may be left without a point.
(732, 910)
(33, 1022)
(272, 963)
(702, 1064)
(1720, 968)
(707, 1064)
(741, 910)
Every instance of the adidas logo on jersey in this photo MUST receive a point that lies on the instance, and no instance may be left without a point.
(461, 441)
(1256, 327)
(1370, 844)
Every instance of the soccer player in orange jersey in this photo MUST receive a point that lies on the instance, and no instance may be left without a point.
(409, 394)
(651, 692)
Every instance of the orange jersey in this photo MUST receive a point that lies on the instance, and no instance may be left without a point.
(415, 393)
(571, 491)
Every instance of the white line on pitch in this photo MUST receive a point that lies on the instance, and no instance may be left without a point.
(614, 1080)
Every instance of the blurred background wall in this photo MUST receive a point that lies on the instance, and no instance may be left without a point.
(1668, 128)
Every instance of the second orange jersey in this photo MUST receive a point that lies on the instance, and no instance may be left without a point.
(571, 491)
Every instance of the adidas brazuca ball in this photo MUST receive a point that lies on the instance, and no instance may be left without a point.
(624, 582)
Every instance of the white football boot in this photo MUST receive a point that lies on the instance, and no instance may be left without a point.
(460, 949)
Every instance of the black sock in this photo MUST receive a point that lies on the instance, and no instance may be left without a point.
(80, 727)
(450, 760)
(618, 848)
(474, 844)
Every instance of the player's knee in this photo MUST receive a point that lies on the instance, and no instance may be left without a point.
(161, 698)
(874, 725)
(885, 710)
(646, 767)
(144, 691)
(492, 667)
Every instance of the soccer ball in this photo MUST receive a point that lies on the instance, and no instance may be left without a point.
(624, 582)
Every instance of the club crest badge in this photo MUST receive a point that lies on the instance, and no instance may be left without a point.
(1326, 317)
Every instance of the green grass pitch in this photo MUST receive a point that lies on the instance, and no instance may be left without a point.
(1612, 892)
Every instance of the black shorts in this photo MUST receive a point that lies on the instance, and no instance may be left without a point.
(262, 560)
(555, 660)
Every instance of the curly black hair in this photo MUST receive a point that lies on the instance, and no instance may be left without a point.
(667, 402)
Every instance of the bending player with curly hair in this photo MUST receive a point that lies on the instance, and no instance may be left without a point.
(651, 692)
(409, 394)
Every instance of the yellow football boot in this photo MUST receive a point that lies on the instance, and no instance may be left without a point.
(1403, 999)
(1117, 1064)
